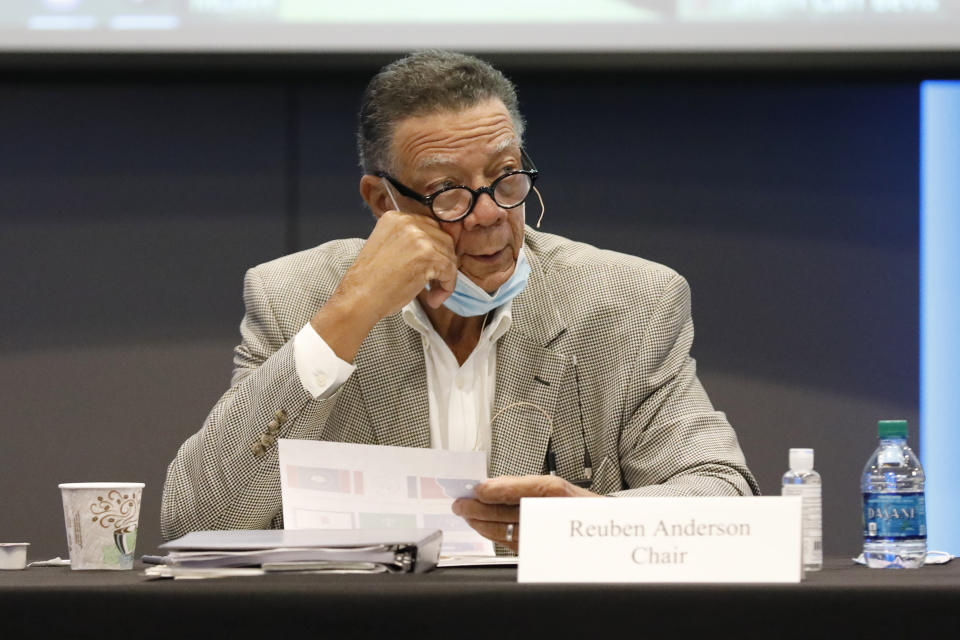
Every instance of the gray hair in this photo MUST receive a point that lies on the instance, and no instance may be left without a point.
(423, 83)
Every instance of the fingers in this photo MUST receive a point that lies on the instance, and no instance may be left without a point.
(445, 263)
(437, 294)
(403, 253)
(428, 226)
(496, 504)
(497, 522)
(442, 279)
(472, 509)
(505, 534)
(509, 489)
(437, 251)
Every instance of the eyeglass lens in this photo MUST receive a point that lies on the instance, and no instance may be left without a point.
(508, 192)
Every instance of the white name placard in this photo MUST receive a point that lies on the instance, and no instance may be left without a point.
(755, 539)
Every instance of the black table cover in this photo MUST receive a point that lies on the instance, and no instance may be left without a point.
(842, 600)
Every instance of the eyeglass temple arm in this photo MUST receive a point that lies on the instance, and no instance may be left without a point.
(525, 157)
(403, 189)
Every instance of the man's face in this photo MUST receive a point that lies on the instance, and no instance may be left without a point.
(472, 147)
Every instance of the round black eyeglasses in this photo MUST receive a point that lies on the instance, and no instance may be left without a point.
(454, 203)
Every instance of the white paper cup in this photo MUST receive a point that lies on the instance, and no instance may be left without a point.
(13, 555)
(101, 519)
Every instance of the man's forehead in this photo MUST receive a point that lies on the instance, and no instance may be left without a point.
(446, 137)
(439, 159)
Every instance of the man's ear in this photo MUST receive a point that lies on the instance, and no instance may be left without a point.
(374, 193)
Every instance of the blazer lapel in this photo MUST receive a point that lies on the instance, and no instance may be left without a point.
(529, 372)
(393, 379)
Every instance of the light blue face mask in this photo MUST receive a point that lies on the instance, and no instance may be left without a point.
(468, 299)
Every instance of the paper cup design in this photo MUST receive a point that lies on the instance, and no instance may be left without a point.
(101, 519)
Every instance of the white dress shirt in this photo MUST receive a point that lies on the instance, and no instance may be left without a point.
(461, 396)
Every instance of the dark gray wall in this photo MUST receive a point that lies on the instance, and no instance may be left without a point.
(130, 209)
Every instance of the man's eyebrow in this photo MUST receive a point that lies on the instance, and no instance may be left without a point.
(434, 160)
(505, 144)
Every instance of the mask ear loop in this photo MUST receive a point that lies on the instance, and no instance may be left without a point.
(543, 209)
(386, 185)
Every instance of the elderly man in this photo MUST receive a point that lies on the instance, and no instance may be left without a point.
(456, 326)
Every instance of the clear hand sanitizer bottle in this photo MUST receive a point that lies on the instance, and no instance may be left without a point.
(801, 480)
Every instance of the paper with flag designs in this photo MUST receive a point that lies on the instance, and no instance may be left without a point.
(334, 485)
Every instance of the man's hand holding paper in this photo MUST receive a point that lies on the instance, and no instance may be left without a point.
(495, 505)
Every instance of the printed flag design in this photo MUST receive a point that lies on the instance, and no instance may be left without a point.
(388, 520)
(313, 519)
(332, 480)
(445, 522)
(442, 488)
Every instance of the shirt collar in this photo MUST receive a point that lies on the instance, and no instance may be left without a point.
(416, 318)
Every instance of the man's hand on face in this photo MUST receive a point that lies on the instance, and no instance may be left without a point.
(496, 503)
(404, 253)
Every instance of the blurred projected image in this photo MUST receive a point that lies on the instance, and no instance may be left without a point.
(61, 5)
(545, 25)
(102, 8)
(92, 14)
(737, 10)
(490, 11)
(100, 13)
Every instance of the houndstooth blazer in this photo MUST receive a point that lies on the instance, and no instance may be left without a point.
(625, 322)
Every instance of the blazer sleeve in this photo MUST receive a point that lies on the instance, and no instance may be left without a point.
(674, 443)
(226, 475)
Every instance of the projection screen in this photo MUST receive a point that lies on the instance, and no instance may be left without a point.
(492, 25)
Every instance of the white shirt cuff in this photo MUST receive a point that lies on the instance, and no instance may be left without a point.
(321, 372)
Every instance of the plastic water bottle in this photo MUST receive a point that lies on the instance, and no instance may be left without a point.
(801, 480)
(894, 516)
